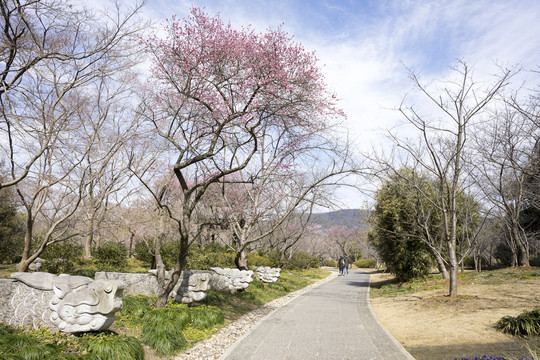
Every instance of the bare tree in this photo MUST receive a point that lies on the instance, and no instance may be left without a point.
(504, 145)
(52, 44)
(54, 52)
(110, 125)
(282, 181)
(442, 143)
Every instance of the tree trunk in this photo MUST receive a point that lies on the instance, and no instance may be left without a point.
(441, 266)
(453, 267)
(165, 289)
(164, 286)
(130, 249)
(240, 260)
(453, 280)
(477, 263)
(168, 286)
(23, 264)
(523, 255)
(89, 238)
(522, 246)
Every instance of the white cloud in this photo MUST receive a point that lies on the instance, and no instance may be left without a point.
(362, 45)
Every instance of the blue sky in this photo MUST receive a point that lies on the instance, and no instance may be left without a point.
(364, 45)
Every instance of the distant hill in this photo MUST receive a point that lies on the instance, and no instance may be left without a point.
(349, 218)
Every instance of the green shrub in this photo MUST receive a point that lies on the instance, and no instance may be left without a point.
(526, 324)
(274, 258)
(255, 259)
(300, 261)
(143, 250)
(503, 254)
(86, 272)
(246, 295)
(39, 351)
(534, 262)
(162, 330)
(366, 263)
(169, 253)
(330, 262)
(278, 286)
(200, 258)
(257, 284)
(135, 307)
(111, 346)
(206, 317)
(111, 256)
(61, 257)
(12, 225)
(5, 330)
(213, 297)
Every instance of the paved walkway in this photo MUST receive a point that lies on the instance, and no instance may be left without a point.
(332, 321)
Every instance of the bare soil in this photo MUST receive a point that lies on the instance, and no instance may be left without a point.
(430, 325)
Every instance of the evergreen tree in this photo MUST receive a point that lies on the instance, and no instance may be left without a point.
(396, 234)
(11, 227)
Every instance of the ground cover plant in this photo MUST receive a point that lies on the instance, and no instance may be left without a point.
(166, 331)
(525, 324)
(45, 345)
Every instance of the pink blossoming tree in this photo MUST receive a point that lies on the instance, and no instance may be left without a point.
(214, 92)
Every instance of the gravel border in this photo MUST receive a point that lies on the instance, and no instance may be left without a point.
(222, 342)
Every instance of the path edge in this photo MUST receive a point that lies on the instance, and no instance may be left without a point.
(293, 296)
(390, 336)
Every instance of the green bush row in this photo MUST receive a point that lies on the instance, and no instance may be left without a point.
(366, 263)
(67, 257)
(330, 263)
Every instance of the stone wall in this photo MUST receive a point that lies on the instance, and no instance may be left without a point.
(78, 304)
(192, 285)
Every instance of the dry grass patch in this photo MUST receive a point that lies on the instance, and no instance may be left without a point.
(430, 325)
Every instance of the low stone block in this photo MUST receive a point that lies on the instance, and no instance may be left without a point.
(267, 274)
(230, 280)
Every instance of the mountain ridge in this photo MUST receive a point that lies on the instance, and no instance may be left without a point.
(350, 218)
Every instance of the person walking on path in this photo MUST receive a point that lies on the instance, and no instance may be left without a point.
(334, 318)
(341, 265)
(346, 265)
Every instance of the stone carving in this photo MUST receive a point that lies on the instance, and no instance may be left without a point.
(230, 280)
(36, 264)
(267, 274)
(69, 303)
(134, 284)
(194, 287)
